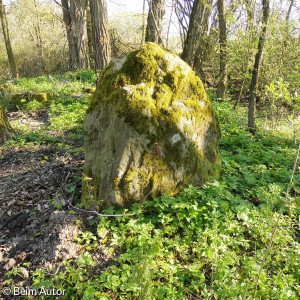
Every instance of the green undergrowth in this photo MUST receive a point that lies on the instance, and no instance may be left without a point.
(204, 243)
(63, 115)
(60, 83)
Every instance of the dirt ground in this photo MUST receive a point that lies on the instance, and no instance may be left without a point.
(36, 225)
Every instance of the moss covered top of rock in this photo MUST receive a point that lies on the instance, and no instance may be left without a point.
(145, 86)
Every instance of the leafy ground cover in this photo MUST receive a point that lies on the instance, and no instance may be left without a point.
(205, 243)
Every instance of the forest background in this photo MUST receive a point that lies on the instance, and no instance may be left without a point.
(38, 38)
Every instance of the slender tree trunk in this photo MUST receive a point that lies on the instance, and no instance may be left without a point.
(101, 41)
(154, 29)
(39, 38)
(257, 63)
(90, 36)
(289, 11)
(223, 50)
(250, 14)
(282, 55)
(73, 59)
(11, 59)
(183, 11)
(144, 22)
(169, 24)
(6, 131)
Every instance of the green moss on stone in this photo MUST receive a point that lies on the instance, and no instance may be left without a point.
(40, 97)
(89, 90)
(90, 191)
(20, 99)
(146, 92)
(4, 87)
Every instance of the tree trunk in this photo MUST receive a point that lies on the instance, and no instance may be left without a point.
(78, 20)
(202, 49)
(250, 14)
(39, 38)
(189, 48)
(286, 40)
(11, 60)
(257, 63)
(154, 29)
(199, 58)
(223, 50)
(73, 59)
(6, 131)
(144, 22)
(90, 36)
(194, 45)
(289, 11)
(102, 51)
(74, 16)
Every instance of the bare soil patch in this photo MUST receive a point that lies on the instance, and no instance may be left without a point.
(34, 183)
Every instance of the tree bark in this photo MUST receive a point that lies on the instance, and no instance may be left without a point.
(73, 60)
(203, 46)
(79, 29)
(74, 16)
(101, 41)
(194, 45)
(11, 59)
(257, 63)
(223, 50)
(90, 36)
(6, 131)
(154, 29)
(189, 48)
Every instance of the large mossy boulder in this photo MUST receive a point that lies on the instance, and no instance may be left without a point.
(150, 129)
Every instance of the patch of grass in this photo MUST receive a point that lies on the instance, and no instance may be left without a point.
(67, 83)
(66, 110)
(67, 115)
(33, 105)
(31, 140)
